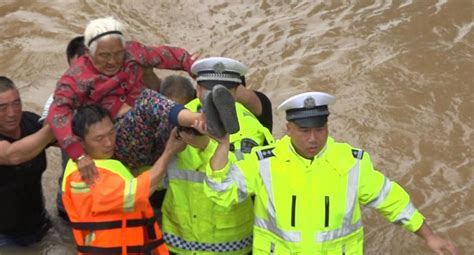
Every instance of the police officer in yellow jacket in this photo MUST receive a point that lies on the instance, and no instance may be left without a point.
(309, 188)
(192, 223)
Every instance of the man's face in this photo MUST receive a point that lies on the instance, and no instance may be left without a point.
(109, 55)
(99, 141)
(308, 142)
(10, 112)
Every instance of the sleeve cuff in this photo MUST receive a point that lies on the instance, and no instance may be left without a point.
(173, 114)
(46, 107)
(188, 62)
(75, 150)
(217, 175)
(415, 222)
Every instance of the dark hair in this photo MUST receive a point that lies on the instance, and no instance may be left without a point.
(175, 86)
(244, 83)
(6, 84)
(75, 47)
(86, 116)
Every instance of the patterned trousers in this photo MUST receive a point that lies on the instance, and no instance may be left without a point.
(143, 131)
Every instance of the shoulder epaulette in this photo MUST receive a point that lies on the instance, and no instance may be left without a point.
(358, 154)
(265, 153)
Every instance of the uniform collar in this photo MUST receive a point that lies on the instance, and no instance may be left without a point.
(286, 140)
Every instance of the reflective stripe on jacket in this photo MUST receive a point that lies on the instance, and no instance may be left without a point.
(191, 221)
(113, 216)
(311, 206)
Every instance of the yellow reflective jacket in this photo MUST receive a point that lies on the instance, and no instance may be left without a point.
(310, 206)
(192, 223)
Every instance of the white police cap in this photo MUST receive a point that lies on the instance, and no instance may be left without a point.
(308, 109)
(218, 70)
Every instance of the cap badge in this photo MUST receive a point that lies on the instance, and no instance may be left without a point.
(219, 67)
(309, 102)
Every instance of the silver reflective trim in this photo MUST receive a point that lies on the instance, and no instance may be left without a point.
(289, 236)
(406, 214)
(234, 176)
(351, 201)
(387, 186)
(171, 167)
(186, 175)
(270, 225)
(267, 182)
(218, 186)
(191, 175)
(165, 182)
(338, 233)
(238, 154)
(173, 164)
(238, 178)
(351, 195)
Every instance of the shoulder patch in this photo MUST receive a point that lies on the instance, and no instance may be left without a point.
(265, 153)
(358, 154)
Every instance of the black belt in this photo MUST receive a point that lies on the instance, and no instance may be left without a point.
(101, 225)
(145, 249)
(148, 223)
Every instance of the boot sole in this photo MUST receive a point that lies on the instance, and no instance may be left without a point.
(214, 124)
(224, 103)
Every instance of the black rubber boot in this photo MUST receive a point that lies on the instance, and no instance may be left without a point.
(214, 124)
(225, 105)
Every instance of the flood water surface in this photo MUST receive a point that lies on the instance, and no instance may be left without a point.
(402, 73)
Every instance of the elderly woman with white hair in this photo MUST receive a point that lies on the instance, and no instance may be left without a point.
(110, 74)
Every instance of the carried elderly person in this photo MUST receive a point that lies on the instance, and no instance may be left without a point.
(110, 74)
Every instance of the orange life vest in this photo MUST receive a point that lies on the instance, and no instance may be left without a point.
(113, 216)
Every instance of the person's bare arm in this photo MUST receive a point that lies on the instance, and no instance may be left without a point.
(26, 148)
(436, 243)
(249, 99)
(220, 158)
(186, 117)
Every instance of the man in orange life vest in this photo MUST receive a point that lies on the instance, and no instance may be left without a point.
(113, 216)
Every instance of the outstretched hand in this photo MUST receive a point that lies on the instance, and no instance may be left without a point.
(439, 245)
(436, 243)
(196, 55)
